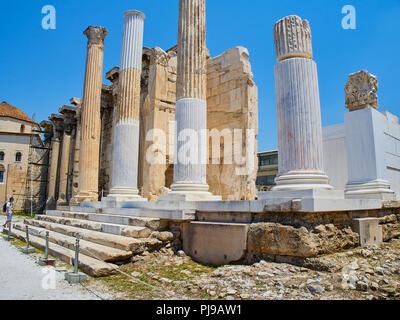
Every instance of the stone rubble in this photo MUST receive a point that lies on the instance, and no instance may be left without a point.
(356, 277)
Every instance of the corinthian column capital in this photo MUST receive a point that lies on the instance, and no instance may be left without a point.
(96, 35)
(292, 37)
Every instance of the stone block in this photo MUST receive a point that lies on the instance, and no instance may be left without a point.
(369, 230)
(74, 278)
(28, 250)
(215, 243)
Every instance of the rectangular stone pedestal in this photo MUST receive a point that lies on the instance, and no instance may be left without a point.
(369, 230)
(28, 250)
(214, 243)
(74, 278)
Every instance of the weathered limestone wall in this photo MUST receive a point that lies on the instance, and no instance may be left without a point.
(106, 140)
(232, 103)
(158, 98)
(285, 236)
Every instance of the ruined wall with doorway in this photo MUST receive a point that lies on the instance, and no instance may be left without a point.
(108, 100)
(232, 104)
(158, 99)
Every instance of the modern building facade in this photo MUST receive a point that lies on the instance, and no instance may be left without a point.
(267, 170)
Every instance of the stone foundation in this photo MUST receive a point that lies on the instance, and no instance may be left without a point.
(300, 238)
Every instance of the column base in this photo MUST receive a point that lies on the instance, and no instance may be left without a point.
(84, 197)
(378, 189)
(62, 203)
(301, 194)
(189, 192)
(123, 195)
(51, 204)
(302, 180)
(314, 200)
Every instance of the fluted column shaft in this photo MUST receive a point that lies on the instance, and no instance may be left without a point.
(51, 189)
(75, 178)
(298, 109)
(90, 116)
(191, 107)
(65, 153)
(126, 132)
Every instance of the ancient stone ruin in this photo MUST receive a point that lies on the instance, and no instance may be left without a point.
(120, 178)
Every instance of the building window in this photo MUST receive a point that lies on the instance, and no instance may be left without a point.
(269, 160)
(266, 181)
(2, 156)
(18, 157)
(1, 174)
(22, 128)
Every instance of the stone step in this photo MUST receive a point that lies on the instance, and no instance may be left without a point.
(164, 214)
(90, 266)
(83, 209)
(87, 248)
(154, 224)
(115, 229)
(137, 246)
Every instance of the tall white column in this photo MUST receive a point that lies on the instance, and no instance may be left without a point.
(126, 130)
(190, 170)
(298, 109)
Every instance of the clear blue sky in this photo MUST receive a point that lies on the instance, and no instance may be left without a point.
(41, 70)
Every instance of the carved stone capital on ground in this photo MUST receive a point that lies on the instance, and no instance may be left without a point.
(96, 35)
(361, 91)
(292, 37)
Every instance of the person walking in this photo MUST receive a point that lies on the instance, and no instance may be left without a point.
(9, 211)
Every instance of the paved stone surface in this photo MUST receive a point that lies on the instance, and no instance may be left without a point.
(21, 279)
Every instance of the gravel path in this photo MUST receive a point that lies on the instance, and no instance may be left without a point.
(21, 278)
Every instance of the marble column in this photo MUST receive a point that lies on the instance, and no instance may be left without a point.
(75, 171)
(69, 115)
(90, 117)
(298, 109)
(190, 169)
(57, 121)
(126, 130)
